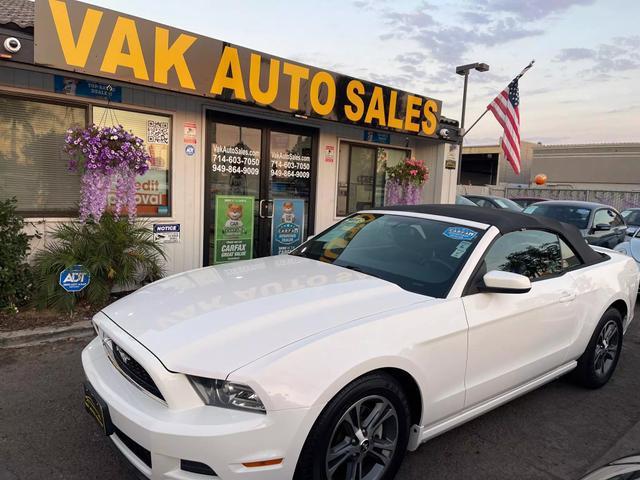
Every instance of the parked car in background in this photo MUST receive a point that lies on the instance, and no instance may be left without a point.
(460, 200)
(524, 202)
(632, 219)
(599, 224)
(631, 246)
(490, 201)
(385, 330)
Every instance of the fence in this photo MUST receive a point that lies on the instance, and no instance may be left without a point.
(619, 199)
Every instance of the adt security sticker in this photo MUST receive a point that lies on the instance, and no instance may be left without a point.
(460, 233)
(74, 279)
(190, 150)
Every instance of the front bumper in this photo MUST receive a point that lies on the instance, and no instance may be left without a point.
(221, 438)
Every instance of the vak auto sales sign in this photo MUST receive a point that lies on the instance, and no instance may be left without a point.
(75, 36)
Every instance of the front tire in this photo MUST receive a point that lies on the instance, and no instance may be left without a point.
(599, 361)
(361, 434)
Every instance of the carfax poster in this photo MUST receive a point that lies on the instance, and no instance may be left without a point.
(234, 228)
(287, 227)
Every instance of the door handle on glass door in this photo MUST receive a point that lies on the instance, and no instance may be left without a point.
(566, 296)
(260, 208)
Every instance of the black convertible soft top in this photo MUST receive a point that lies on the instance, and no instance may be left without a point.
(507, 221)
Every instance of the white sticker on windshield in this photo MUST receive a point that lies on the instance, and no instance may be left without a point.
(460, 249)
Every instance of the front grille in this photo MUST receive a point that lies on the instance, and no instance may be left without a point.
(135, 371)
(196, 467)
(137, 449)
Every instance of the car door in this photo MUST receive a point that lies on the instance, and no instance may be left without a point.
(514, 338)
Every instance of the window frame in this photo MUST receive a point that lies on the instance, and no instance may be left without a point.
(39, 98)
(371, 145)
(470, 287)
(87, 105)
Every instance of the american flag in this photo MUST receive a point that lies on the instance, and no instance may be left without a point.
(505, 108)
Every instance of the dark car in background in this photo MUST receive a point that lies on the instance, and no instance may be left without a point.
(491, 201)
(632, 219)
(599, 224)
(524, 202)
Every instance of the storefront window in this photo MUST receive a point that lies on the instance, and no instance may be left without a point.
(361, 176)
(33, 167)
(152, 195)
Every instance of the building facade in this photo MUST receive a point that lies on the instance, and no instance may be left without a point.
(233, 134)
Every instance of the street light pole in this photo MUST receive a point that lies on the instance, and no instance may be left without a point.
(464, 105)
(464, 70)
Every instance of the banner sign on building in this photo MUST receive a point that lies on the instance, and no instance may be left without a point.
(79, 37)
(287, 227)
(233, 236)
(86, 88)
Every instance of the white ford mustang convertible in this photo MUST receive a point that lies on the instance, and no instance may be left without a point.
(378, 334)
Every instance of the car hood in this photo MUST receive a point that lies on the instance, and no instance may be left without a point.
(212, 321)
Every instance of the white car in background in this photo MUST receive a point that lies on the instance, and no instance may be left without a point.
(385, 330)
(631, 247)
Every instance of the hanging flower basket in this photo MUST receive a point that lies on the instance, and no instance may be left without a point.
(405, 181)
(104, 155)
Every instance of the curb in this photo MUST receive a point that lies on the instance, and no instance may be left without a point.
(38, 336)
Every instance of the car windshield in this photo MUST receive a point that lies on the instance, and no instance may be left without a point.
(418, 254)
(575, 215)
(508, 204)
(631, 217)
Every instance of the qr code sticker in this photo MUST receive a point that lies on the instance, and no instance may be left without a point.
(157, 132)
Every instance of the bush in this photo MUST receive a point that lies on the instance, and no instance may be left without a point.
(15, 274)
(118, 254)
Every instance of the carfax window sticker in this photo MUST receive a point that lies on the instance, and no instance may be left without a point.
(460, 233)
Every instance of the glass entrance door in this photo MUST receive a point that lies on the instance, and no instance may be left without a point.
(259, 188)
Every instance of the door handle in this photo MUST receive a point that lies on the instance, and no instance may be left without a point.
(260, 209)
(567, 296)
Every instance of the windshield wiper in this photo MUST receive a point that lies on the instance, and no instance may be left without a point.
(359, 270)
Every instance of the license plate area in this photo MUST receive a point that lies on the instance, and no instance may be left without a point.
(97, 408)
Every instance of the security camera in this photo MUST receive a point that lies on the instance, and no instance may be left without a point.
(12, 45)
(444, 133)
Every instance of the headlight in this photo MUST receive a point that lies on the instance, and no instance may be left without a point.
(221, 393)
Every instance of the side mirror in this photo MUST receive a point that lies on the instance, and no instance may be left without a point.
(496, 281)
(602, 227)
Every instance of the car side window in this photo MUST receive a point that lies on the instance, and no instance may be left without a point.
(569, 257)
(617, 219)
(533, 253)
(603, 217)
(483, 203)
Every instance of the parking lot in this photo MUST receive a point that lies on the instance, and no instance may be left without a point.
(558, 432)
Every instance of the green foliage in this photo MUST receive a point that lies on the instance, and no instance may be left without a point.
(117, 253)
(15, 274)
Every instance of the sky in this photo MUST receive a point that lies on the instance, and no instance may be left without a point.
(583, 88)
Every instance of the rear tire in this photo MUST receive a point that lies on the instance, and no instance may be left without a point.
(600, 359)
(363, 430)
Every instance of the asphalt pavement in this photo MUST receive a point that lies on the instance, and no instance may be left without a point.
(560, 431)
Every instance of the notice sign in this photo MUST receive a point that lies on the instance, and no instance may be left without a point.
(233, 236)
(166, 232)
(328, 153)
(190, 133)
(287, 227)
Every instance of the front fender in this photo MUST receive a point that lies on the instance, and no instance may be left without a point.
(428, 341)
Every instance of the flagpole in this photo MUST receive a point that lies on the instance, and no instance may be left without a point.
(517, 77)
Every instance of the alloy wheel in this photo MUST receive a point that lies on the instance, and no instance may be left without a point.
(364, 441)
(606, 348)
